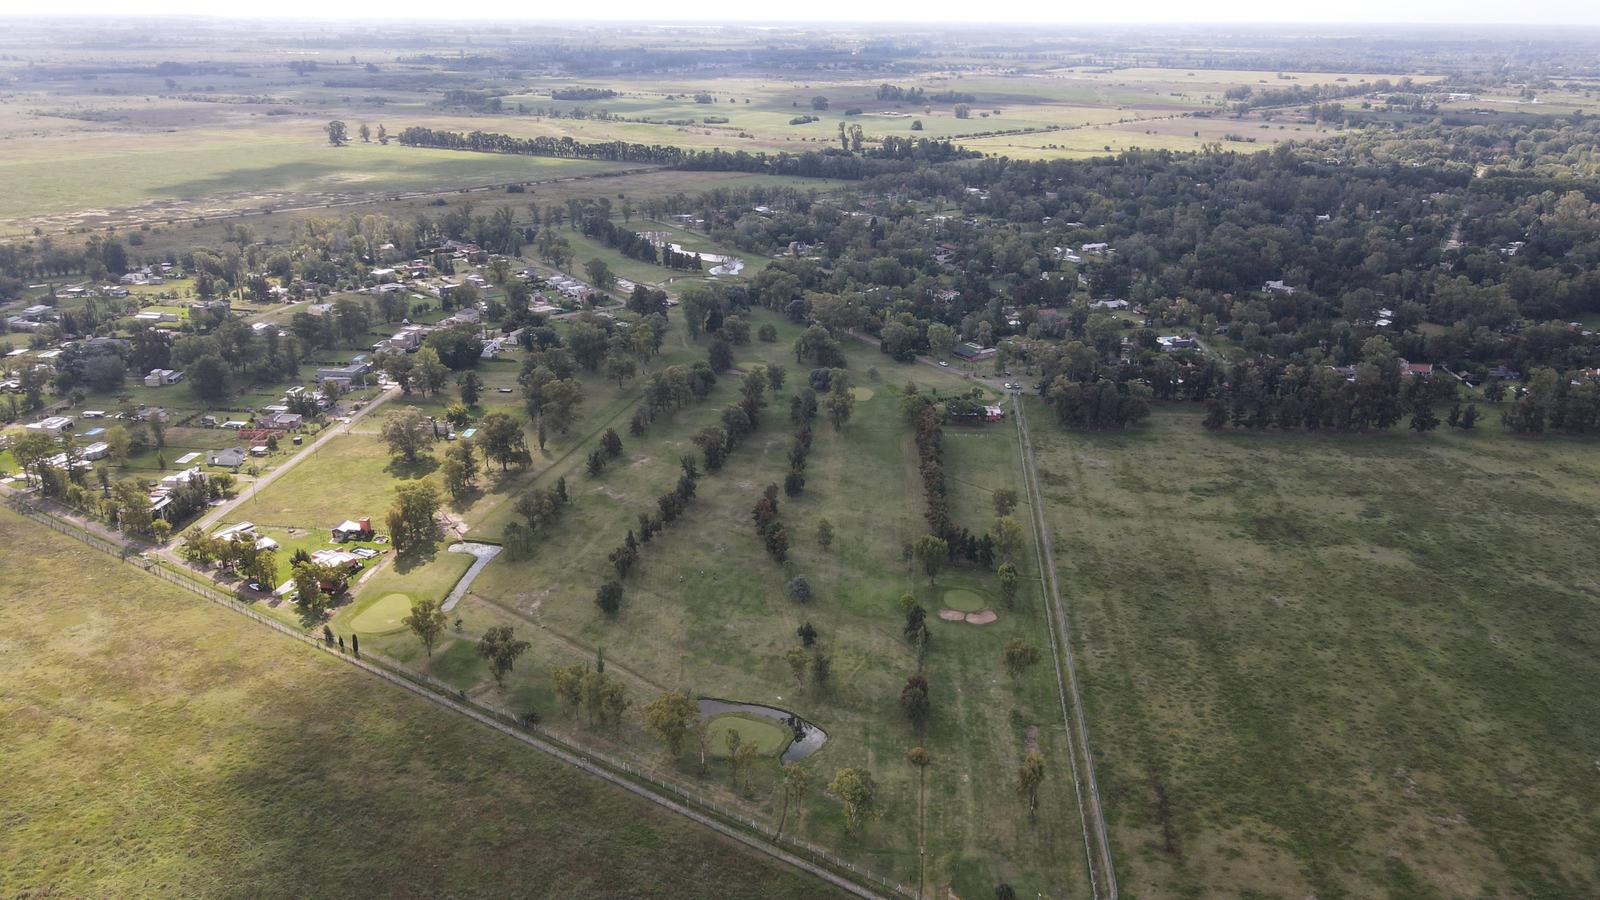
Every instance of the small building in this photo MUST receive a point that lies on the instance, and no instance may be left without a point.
(287, 421)
(162, 377)
(1278, 287)
(973, 352)
(338, 559)
(1108, 303)
(183, 477)
(347, 375)
(231, 457)
(406, 340)
(1175, 342)
(352, 530)
(52, 425)
(96, 450)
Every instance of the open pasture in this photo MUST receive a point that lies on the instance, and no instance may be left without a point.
(160, 745)
(1335, 664)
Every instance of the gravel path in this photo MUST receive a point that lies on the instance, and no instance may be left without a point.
(484, 553)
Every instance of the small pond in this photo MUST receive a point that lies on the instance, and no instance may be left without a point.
(808, 738)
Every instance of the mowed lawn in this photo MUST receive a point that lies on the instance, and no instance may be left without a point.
(1340, 665)
(349, 477)
(157, 745)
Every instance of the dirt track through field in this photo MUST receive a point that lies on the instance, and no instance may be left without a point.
(1096, 843)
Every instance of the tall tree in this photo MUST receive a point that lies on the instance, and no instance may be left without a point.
(915, 702)
(1030, 775)
(1019, 656)
(795, 781)
(931, 552)
(671, 717)
(503, 440)
(427, 620)
(500, 646)
(408, 433)
(857, 790)
(471, 386)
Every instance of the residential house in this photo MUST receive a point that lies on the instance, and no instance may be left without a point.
(52, 425)
(973, 352)
(346, 375)
(162, 377)
(230, 458)
(353, 530)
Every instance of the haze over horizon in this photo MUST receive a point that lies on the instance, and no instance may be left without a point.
(1568, 13)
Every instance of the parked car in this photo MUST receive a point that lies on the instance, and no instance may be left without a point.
(944, 363)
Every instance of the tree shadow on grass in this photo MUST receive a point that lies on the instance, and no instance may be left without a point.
(421, 467)
(415, 557)
(464, 502)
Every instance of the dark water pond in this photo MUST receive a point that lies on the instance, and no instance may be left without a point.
(808, 738)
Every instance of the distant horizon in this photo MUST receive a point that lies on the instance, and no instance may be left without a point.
(1468, 14)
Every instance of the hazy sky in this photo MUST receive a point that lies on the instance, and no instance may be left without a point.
(1442, 12)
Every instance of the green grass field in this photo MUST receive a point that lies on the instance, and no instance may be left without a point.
(208, 172)
(382, 615)
(1341, 665)
(963, 599)
(706, 613)
(770, 736)
(157, 745)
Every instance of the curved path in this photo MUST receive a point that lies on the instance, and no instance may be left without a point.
(484, 553)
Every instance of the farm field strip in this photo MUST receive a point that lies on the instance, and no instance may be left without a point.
(1062, 654)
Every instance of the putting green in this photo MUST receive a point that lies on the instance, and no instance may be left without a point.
(771, 736)
(862, 394)
(384, 615)
(965, 600)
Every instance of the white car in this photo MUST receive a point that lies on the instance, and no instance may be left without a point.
(944, 363)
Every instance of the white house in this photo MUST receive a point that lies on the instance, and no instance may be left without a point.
(52, 426)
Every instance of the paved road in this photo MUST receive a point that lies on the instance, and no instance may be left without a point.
(1097, 844)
